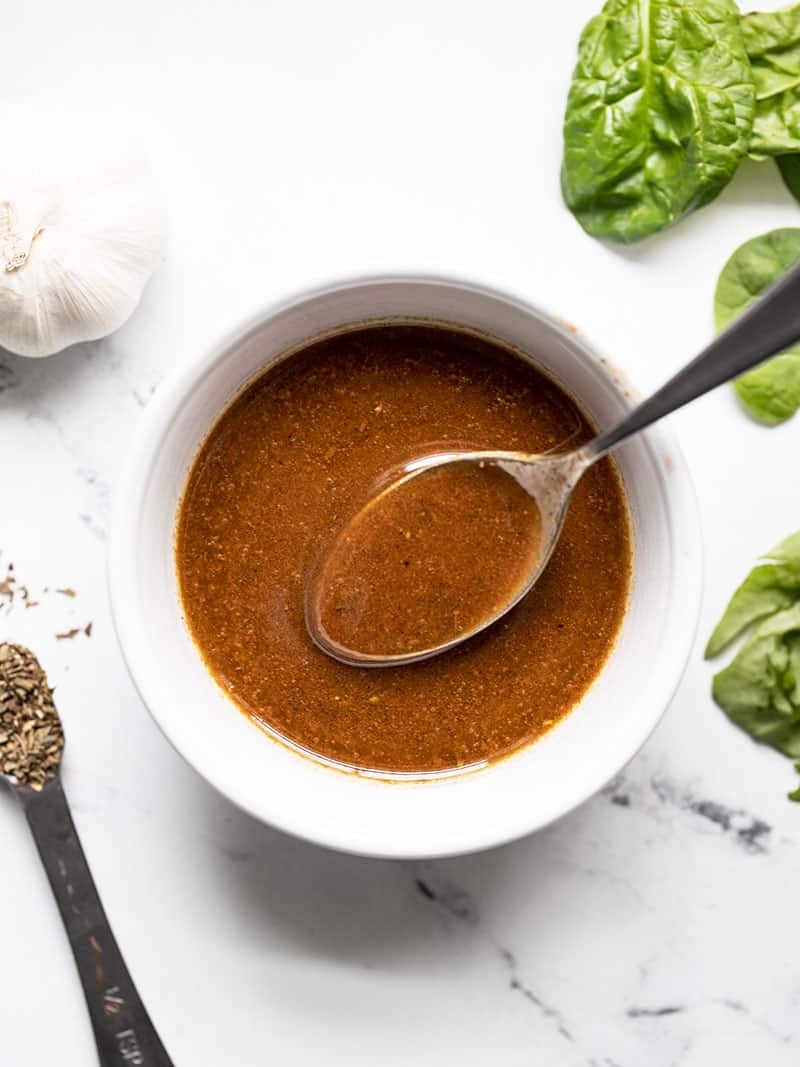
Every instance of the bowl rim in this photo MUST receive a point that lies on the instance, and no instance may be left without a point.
(679, 495)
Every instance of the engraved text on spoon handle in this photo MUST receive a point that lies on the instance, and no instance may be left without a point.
(122, 1028)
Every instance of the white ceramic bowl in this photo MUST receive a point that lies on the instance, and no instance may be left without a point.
(354, 812)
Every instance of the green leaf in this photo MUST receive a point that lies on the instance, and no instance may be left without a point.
(787, 550)
(772, 41)
(795, 794)
(768, 588)
(789, 166)
(772, 391)
(791, 678)
(758, 689)
(659, 114)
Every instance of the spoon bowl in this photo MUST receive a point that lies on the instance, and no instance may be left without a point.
(547, 480)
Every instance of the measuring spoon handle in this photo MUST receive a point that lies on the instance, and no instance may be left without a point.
(123, 1031)
(769, 325)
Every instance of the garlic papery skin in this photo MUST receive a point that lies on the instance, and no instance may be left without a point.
(81, 231)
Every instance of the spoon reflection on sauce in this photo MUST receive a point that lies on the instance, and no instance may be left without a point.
(452, 541)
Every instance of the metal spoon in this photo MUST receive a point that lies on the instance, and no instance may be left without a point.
(123, 1032)
(770, 325)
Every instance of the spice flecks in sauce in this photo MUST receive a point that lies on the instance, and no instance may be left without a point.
(427, 560)
(293, 457)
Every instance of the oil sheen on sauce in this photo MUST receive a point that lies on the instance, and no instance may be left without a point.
(427, 560)
(295, 455)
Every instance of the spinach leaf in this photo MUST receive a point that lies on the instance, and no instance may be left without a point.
(760, 689)
(795, 794)
(771, 391)
(768, 588)
(659, 114)
(772, 41)
(789, 166)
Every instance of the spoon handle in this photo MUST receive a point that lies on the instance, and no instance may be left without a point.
(770, 325)
(122, 1028)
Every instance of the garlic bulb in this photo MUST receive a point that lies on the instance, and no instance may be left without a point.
(81, 231)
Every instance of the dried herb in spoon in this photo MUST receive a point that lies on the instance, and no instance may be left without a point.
(31, 735)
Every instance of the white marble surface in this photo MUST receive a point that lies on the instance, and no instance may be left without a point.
(657, 925)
